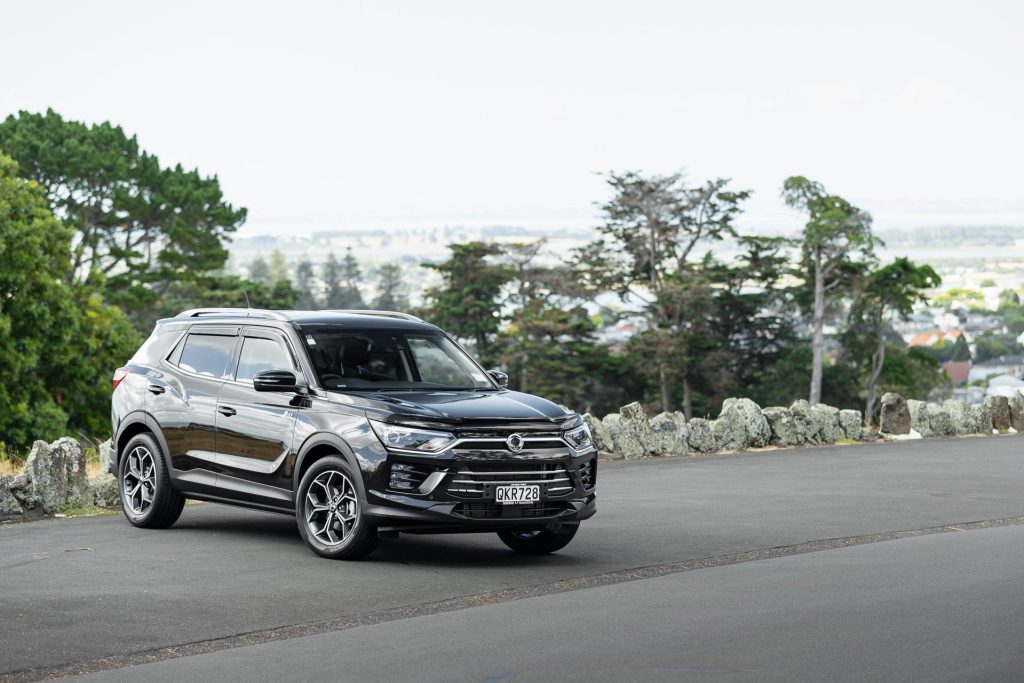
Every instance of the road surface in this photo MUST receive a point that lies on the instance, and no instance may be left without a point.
(896, 561)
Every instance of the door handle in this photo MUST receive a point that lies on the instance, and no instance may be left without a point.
(156, 389)
(226, 411)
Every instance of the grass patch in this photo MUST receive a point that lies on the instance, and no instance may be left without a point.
(85, 511)
(847, 442)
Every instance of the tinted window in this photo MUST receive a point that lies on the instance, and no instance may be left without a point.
(259, 355)
(207, 354)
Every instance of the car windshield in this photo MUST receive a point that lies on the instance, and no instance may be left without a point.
(390, 360)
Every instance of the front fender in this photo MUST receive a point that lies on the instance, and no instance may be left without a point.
(359, 447)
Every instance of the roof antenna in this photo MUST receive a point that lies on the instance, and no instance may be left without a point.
(247, 304)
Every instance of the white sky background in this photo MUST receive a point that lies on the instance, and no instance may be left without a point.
(408, 114)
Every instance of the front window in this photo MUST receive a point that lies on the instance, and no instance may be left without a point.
(383, 360)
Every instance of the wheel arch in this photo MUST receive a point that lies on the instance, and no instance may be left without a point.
(134, 424)
(320, 445)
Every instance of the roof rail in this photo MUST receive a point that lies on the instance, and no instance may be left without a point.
(232, 312)
(383, 314)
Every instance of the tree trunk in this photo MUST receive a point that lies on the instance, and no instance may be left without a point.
(687, 399)
(877, 362)
(818, 339)
(666, 398)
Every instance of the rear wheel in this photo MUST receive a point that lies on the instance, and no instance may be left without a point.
(147, 497)
(541, 542)
(329, 513)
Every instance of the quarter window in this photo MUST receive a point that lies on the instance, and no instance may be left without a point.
(207, 354)
(260, 355)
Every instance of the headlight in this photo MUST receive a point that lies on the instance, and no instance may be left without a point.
(579, 437)
(411, 438)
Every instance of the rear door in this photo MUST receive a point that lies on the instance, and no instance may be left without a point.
(185, 402)
(255, 429)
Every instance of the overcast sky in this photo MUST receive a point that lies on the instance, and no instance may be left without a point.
(378, 114)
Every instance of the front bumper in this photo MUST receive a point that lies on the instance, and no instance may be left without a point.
(458, 494)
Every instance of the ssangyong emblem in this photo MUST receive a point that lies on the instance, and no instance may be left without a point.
(514, 442)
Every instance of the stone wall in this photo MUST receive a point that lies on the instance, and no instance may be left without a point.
(742, 424)
(55, 477)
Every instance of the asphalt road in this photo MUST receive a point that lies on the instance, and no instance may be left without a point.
(94, 594)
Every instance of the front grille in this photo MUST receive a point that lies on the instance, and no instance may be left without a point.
(486, 510)
(477, 480)
(531, 442)
(588, 474)
(405, 478)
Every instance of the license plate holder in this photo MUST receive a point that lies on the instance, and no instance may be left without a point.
(517, 494)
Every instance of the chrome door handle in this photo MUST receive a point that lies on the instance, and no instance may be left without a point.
(227, 411)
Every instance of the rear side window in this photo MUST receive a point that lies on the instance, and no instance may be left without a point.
(207, 354)
(260, 355)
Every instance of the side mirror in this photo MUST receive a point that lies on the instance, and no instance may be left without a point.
(500, 377)
(276, 380)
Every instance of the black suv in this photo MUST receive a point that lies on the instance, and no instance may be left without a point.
(362, 424)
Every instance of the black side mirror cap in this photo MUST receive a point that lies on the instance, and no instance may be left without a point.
(500, 377)
(276, 380)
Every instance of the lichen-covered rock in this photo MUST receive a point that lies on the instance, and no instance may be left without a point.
(741, 425)
(106, 453)
(982, 418)
(895, 415)
(999, 409)
(806, 429)
(624, 441)
(1015, 404)
(851, 424)
(668, 434)
(782, 425)
(599, 433)
(700, 437)
(930, 419)
(826, 422)
(56, 475)
(635, 418)
(9, 505)
(105, 490)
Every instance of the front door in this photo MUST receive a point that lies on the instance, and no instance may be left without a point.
(255, 429)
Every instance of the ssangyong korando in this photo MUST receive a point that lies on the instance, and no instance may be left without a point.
(362, 424)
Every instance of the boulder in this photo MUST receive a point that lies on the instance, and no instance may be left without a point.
(56, 475)
(9, 505)
(700, 437)
(624, 444)
(851, 424)
(635, 419)
(895, 415)
(982, 418)
(806, 429)
(668, 434)
(1015, 404)
(106, 453)
(930, 419)
(826, 423)
(782, 425)
(741, 425)
(105, 490)
(967, 419)
(599, 433)
(999, 409)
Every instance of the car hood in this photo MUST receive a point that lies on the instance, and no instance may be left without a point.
(462, 407)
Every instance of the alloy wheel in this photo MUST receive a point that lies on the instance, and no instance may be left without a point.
(331, 508)
(138, 483)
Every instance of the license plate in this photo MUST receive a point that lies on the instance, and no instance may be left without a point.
(516, 495)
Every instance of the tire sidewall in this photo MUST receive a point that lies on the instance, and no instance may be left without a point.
(150, 444)
(331, 462)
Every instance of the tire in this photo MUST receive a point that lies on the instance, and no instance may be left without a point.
(330, 514)
(549, 540)
(147, 498)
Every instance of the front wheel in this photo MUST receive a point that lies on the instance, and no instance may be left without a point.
(539, 542)
(329, 513)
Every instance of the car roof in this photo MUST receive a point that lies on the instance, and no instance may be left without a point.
(347, 318)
